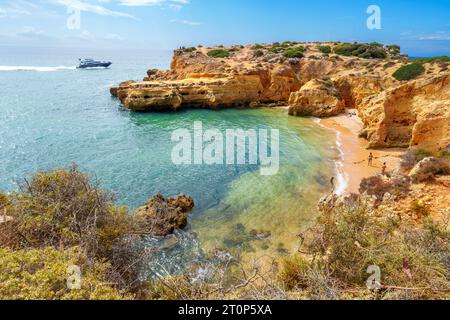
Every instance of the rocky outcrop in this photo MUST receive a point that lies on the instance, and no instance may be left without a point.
(193, 93)
(415, 114)
(428, 168)
(318, 98)
(161, 217)
(419, 192)
(354, 89)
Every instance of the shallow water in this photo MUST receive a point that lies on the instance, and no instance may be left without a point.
(52, 115)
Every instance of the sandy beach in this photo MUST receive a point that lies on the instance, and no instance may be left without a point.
(354, 153)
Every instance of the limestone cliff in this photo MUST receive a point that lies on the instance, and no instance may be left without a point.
(313, 83)
(209, 92)
(317, 98)
(414, 114)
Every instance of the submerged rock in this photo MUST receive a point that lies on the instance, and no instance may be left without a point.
(161, 217)
(262, 236)
(223, 256)
(183, 202)
(168, 243)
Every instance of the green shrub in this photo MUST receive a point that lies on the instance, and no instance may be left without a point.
(420, 209)
(294, 52)
(433, 59)
(219, 53)
(3, 201)
(257, 47)
(420, 154)
(324, 49)
(443, 154)
(361, 50)
(286, 44)
(347, 49)
(64, 208)
(374, 54)
(185, 50)
(413, 156)
(395, 49)
(409, 72)
(277, 49)
(388, 65)
(293, 273)
(258, 53)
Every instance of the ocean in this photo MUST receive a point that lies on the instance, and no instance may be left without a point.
(52, 115)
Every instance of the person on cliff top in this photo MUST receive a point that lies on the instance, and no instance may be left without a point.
(370, 160)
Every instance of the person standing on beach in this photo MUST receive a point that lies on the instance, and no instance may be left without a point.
(370, 161)
(332, 184)
(384, 168)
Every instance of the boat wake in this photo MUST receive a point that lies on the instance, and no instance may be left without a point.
(37, 69)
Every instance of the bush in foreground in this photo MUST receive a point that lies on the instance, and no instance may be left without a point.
(349, 238)
(62, 218)
(42, 274)
(66, 209)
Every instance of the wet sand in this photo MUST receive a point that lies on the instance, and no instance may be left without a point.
(353, 166)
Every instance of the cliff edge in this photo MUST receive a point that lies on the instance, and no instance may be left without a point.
(399, 107)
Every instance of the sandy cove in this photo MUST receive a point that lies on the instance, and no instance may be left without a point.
(353, 166)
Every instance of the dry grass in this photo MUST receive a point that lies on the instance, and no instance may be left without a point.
(347, 240)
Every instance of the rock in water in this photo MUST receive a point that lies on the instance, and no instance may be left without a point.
(185, 203)
(161, 217)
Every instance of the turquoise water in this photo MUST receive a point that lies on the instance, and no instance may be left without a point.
(49, 119)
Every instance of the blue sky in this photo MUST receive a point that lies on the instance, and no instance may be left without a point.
(420, 27)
